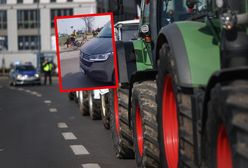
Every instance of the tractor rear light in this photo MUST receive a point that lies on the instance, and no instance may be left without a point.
(148, 39)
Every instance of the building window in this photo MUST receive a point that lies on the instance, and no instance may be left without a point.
(19, 1)
(28, 42)
(28, 19)
(3, 19)
(2, 1)
(36, 1)
(69, 0)
(53, 1)
(3, 43)
(60, 12)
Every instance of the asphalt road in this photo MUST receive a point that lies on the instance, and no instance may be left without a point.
(72, 77)
(41, 128)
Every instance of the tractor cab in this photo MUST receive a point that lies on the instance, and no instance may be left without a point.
(170, 11)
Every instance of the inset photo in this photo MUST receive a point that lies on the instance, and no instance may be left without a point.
(86, 52)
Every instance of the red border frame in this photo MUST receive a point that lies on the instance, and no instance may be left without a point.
(58, 52)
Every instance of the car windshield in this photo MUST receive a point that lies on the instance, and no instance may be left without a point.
(106, 32)
(25, 68)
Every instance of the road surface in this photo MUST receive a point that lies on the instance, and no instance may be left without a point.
(41, 128)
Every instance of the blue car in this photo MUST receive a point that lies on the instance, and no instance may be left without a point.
(24, 74)
(96, 57)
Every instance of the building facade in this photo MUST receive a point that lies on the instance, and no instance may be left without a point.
(27, 27)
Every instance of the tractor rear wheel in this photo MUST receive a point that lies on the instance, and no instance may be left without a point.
(105, 110)
(174, 115)
(144, 123)
(94, 107)
(83, 102)
(227, 126)
(121, 133)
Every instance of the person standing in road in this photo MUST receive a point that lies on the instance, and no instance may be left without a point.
(47, 69)
(73, 37)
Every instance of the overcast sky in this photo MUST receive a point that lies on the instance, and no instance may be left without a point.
(64, 25)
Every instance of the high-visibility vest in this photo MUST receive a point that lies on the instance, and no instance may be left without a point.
(48, 67)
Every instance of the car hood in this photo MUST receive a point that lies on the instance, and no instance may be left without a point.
(29, 73)
(97, 46)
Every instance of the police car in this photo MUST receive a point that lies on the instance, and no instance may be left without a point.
(22, 74)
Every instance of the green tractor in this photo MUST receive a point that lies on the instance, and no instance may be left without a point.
(182, 100)
(202, 87)
(133, 105)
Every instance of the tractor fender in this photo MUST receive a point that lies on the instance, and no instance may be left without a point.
(221, 77)
(126, 61)
(127, 69)
(195, 51)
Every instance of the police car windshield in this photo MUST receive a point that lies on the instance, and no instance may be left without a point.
(106, 32)
(25, 68)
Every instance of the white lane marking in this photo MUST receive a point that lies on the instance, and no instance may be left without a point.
(69, 136)
(53, 110)
(20, 89)
(39, 95)
(28, 91)
(62, 125)
(47, 101)
(12, 88)
(34, 93)
(91, 165)
(79, 150)
(1, 150)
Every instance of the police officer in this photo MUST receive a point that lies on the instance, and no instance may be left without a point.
(47, 69)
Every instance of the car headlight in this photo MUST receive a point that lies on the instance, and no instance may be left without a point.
(100, 57)
(19, 76)
(37, 75)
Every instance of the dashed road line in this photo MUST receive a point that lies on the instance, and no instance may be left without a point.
(28, 91)
(69, 136)
(39, 95)
(53, 110)
(34, 93)
(20, 89)
(62, 125)
(79, 150)
(91, 165)
(11, 88)
(47, 101)
(1, 150)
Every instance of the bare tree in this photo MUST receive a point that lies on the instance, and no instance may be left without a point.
(88, 21)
